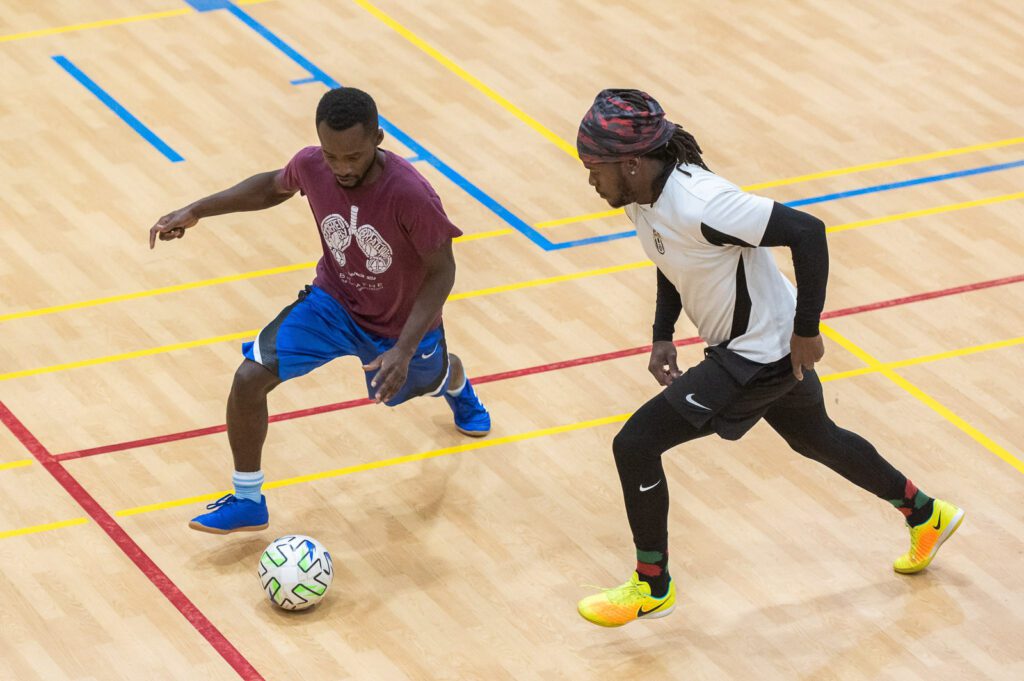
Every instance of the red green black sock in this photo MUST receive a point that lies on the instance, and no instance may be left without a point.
(915, 505)
(652, 567)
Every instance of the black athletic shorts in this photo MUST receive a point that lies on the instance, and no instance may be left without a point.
(732, 393)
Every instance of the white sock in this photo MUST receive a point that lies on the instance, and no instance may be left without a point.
(458, 391)
(248, 485)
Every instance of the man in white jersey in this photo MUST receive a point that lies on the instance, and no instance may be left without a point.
(709, 240)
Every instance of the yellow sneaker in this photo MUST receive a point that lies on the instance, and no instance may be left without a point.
(623, 604)
(926, 538)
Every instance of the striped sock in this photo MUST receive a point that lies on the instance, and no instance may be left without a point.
(916, 506)
(248, 485)
(652, 567)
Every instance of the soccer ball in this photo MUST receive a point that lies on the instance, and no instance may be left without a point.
(295, 571)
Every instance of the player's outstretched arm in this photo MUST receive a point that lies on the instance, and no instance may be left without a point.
(256, 193)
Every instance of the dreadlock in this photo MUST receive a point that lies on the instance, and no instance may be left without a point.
(681, 148)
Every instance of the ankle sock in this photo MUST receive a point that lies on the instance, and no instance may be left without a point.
(916, 506)
(248, 485)
(652, 567)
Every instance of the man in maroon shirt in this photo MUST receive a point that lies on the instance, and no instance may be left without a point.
(386, 270)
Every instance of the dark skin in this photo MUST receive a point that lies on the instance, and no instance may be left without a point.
(633, 181)
(355, 159)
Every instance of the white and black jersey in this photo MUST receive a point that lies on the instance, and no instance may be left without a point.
(703, 233)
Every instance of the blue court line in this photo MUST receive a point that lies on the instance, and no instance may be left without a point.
(321, 76)
(303, 81)
(413, 159)
(318, 75)
(825, 197)
(207, 5)
(115, 106)
(905, 183)
(600, 238)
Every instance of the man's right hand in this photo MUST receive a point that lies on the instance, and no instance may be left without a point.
(663, 362)
(172, 225)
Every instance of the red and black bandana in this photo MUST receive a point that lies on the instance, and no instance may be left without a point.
(622, 124)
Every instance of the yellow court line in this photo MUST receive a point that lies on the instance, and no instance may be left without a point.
(923, 397)
(482, 444)
(128, 355)
(927, 211)
(580, 218)
(926, 359)
(469, 237)
(468, 77)
(261, 273)
(904, 160)
(516, 111)
(20, 463)
(104, 23)
(459, 296)
(43, 528)
(384, 463)
(156, 291)
(95, 24)
(571, 150)
(476, 236)
(245, 335)
(550, 280)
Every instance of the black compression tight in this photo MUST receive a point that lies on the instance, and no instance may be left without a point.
(657, 427)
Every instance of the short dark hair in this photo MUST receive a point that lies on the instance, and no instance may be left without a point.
(344, 107)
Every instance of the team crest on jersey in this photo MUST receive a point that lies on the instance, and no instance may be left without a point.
(339, 234)
(658, 243)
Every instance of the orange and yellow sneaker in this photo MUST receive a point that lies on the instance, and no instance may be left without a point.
(926, 538)
(625, 603)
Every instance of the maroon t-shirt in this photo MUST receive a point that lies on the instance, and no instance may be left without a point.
(374, 237)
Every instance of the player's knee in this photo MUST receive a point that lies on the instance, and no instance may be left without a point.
(252, 381)
(629, 443)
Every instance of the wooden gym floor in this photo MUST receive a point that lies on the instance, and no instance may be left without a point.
(899, 126)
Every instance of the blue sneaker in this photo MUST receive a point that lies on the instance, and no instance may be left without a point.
(231, 514)
(471, 417)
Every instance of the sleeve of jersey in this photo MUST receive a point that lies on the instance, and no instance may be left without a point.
(666, 310)
(422, 217)
(292, 175)
(735, 218)
(804, 234)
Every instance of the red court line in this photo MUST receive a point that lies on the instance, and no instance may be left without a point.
(516, 373)
(149, 568)
(919, 297)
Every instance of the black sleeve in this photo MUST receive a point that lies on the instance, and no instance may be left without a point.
(804, 234)
(667, 309)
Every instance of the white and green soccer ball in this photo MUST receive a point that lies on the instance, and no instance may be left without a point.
(295, 571)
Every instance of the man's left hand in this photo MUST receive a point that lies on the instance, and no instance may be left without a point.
(394, 369)
(804, 353)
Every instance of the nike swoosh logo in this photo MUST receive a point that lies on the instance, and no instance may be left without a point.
(644, 489)
(938, 523)
(689, 398)
(641, 612)
(429, 355)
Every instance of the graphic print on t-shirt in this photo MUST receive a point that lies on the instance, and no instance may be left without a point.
(338, 234)
(658, 243)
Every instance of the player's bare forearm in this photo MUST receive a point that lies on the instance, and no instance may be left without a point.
(255, 193)
(393, 365)
(437, 284)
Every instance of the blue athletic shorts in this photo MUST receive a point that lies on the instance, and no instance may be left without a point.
(316, 329)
